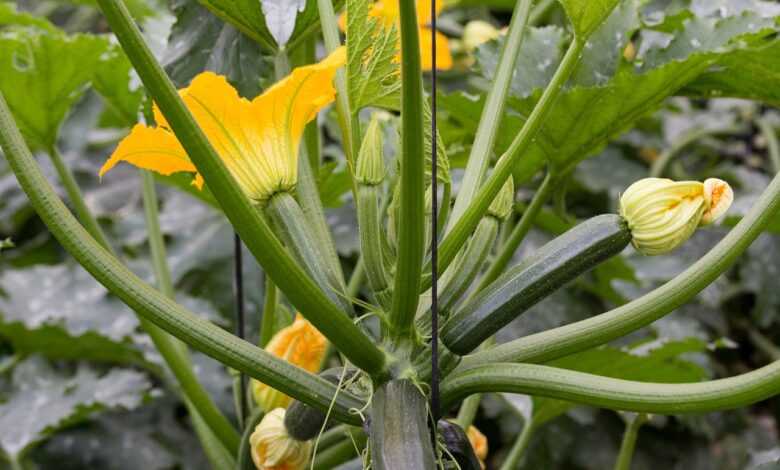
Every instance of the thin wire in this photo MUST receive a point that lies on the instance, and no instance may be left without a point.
(434, 234)
(238, 296)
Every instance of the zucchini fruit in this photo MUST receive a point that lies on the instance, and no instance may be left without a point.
(304, 422)
(549, 268)
(458, 445)
(400, 437)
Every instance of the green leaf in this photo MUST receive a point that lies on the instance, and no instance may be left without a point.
(200, 41)
(42, 75)
(43, 400)
(9, 16)
(6, 243)
(115, 81)
(250, 19)
(61, 312)
(587, 15)
(372, 71)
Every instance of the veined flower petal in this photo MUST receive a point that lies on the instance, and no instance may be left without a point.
(300, 344)
(443, 55)
(154, 149)
(258, 140)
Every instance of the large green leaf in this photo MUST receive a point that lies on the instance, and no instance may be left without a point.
(9, 16)
(587, 15)
(247, 16)
(42, 75)
(115, 81)
(43, 400)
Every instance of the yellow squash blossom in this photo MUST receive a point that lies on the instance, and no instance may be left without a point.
(257, 140)
(662, 214)
(388, 12)
(272, 448)
(479, 443)
(300, 344)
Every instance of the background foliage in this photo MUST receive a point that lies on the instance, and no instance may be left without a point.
(101, 397)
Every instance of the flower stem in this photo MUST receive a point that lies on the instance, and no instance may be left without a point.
(269, 312)
(585, 334)
(155, 307)
(298, 287)
(468, 411)
(773, 146)
(156, 241)
(216, 453)
(628, 444)
(615, 394)
(465, 224)
(518, 449)
(490, 122)
(411, 233)
(518, 232)
(369, 223)
(76, 198)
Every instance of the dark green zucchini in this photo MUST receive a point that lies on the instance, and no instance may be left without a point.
(399, 436)
(304, 422)
(552, 266)
(458, 445)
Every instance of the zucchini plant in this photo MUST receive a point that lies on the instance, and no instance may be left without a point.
(407, 340)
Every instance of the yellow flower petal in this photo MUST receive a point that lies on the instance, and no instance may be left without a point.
(443, 55)
(300, 344)
(151, 149)
(258, 140)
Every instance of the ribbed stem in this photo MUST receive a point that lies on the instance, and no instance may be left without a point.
(299, 288)
(369, 223)
(518, 233)
(152, 305)
(468, 411)
(218, 456)
(411, 233)
(663, 160)
(585, 334)
(268, 322)
(773, 146)
(290, 225)
(490, 122)
(516, 453)
(464, 225)
(76, 198)
(616, 394)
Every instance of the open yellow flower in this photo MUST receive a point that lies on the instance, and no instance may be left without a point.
(479, 443)
(300, 344)
(257, 140)
(388, 12)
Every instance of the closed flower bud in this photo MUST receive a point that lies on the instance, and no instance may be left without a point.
(370, 167)
(300, 344)
(662, 214)
(478, 32)
(501, 206)
(272, 447)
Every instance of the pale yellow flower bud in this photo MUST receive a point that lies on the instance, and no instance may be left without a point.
(478, 32)
(300, 344)
(272, 447)
(662, 214)
(370, 168)
(501, 206)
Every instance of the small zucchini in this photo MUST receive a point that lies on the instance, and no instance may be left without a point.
(552, 266)
(458, 445)
(304, 422)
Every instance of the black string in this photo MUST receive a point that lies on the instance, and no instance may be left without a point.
(434, 234)
(238, 296)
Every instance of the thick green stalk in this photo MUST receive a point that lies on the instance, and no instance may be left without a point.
(605, 392)
(152, 305)
(519, 232)
(270, 302)
(513, 459)
(468, 411)
(628, 445)
(411, 233)
(773, 146)
(464, 225)
(291, 227)
(302, 292)
(76, 198)
(663, 160)
(585, 334)
(156, 241)
(332, 39)
(369, 223)
(490, 122)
